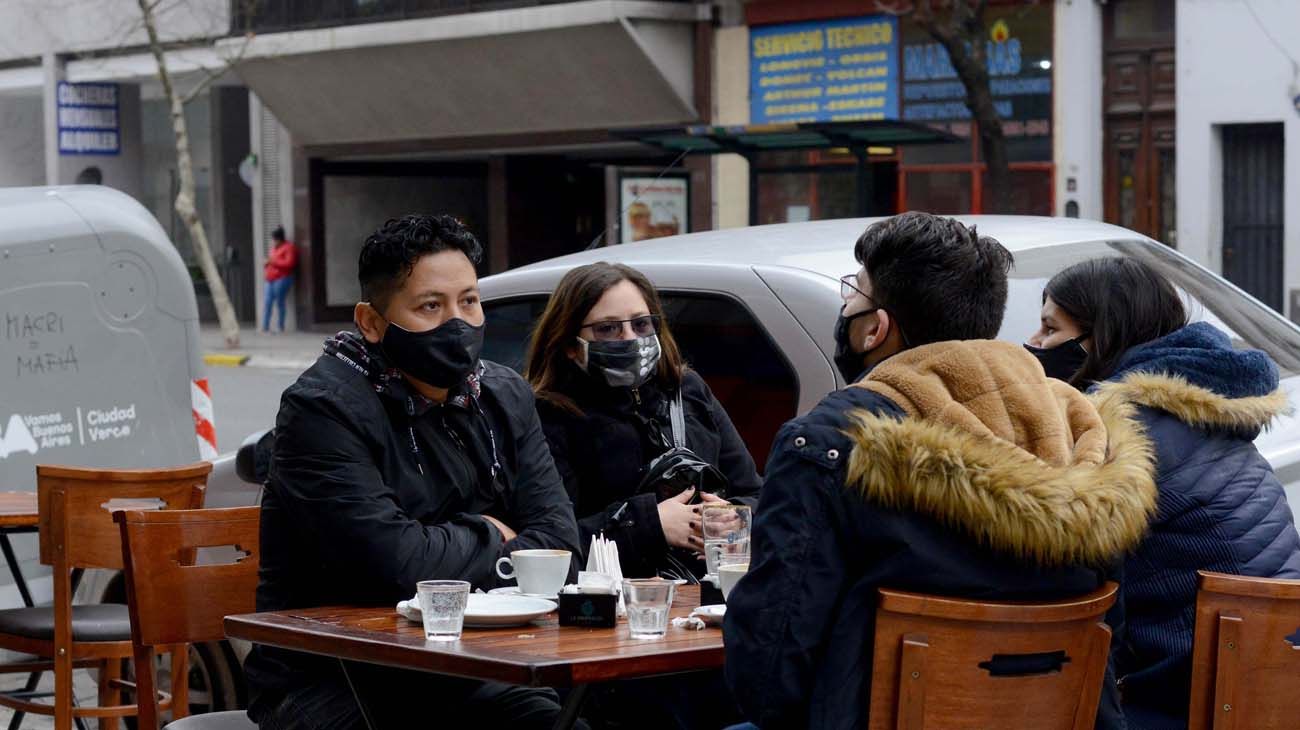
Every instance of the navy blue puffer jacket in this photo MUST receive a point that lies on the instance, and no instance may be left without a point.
(1220, 506)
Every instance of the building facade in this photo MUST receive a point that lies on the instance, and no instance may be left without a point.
(80, 103)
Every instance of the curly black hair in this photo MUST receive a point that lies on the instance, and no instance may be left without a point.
(939, 279)
(389, 253)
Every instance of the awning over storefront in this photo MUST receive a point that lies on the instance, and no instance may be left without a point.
(577, 66)
(856, 136)
(751, 139)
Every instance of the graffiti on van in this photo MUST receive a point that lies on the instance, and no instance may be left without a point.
(31, 326)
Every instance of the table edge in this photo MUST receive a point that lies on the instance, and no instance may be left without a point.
(260, 628)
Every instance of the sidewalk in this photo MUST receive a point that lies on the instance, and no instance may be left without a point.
(295, 350)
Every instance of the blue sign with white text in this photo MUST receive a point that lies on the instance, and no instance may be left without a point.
(824, 71)
(88, 119)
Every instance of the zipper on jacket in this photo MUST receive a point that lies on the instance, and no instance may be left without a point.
(415, 448)
(636, 396)
(466, 462)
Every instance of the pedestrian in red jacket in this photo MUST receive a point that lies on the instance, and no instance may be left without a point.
(280, 264)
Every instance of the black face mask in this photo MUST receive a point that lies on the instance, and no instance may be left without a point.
(1063, 361)
(622, 363)
(847, 360)
(441, 357)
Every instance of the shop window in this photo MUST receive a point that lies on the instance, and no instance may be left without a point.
(1031, 193)
(1143, 18)
(790, 197)
(939, 191)
(939, 153)
(1024, 149)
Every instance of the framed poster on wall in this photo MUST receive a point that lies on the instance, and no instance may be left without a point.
(651, 205)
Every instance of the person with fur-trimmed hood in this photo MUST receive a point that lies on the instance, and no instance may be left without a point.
(951, 465)
(1117, 327)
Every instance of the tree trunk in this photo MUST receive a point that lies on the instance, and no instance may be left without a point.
(965, 38)
(185, 206)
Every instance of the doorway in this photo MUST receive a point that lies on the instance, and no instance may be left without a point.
(1140, 161)
(1253, 176)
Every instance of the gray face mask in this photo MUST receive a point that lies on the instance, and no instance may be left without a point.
(621, 363)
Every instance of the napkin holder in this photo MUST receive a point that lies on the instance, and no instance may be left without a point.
(590, 610)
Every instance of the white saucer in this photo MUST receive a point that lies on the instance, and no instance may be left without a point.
(514, 591)
(485, 609)
(711, 615)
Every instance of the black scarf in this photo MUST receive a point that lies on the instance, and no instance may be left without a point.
(457, 424)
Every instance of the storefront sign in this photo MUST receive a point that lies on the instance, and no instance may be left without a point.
(653, 208)
(1020, 75)
(824, 71)
(88, 119)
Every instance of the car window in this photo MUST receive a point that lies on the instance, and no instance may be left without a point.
(1209, 298)
(718, 337)
(509, 326)
(744, 368)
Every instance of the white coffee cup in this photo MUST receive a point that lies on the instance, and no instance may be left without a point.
(539, 572)
(729, 575)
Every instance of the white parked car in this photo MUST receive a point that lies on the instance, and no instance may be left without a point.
(753, 309)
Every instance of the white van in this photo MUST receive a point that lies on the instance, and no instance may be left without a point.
(100, 366)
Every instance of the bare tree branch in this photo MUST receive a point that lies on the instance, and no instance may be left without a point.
(962, 34)
(891, 7)
(210, 77)
(186, 204)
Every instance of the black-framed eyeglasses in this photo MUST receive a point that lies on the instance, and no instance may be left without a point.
(612, 329)
(849, 287)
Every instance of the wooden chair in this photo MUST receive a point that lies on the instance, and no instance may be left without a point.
(175, 599)
(77, 532)
(952, 663)
(1246, 655)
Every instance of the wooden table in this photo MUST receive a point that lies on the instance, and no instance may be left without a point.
(542, 654)
(18, 514)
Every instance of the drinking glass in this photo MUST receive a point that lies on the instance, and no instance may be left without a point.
(648, 601)
(726, 530)
(442, 606)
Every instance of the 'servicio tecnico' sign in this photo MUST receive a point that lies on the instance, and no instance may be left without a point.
(88, 119)
(824, 71)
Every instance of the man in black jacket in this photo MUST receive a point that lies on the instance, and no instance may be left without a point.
(951, 466)
(401, 457)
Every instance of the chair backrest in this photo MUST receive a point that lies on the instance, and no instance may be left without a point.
(76, 506)
(1246, 654)
(953, 663)
(175, 599)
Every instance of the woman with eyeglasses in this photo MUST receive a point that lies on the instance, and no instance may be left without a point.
(607, 371)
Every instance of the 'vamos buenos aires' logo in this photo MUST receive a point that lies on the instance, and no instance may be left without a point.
(35, 432)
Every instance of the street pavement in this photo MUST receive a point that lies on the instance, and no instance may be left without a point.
(246, 382)
(245, 400)
(295, 350)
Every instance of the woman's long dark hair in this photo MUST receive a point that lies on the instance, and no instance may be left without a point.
(547, 365)
(1120, 303)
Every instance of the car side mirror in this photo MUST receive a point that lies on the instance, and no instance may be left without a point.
(253, 459)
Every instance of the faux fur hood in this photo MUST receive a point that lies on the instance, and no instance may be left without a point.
(1194, 405)
(1024, 464)
(1203, 355)
(1195, 375)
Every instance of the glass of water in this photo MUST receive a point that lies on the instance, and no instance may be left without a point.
(648, 601)
(726, 530)
(442, 606)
